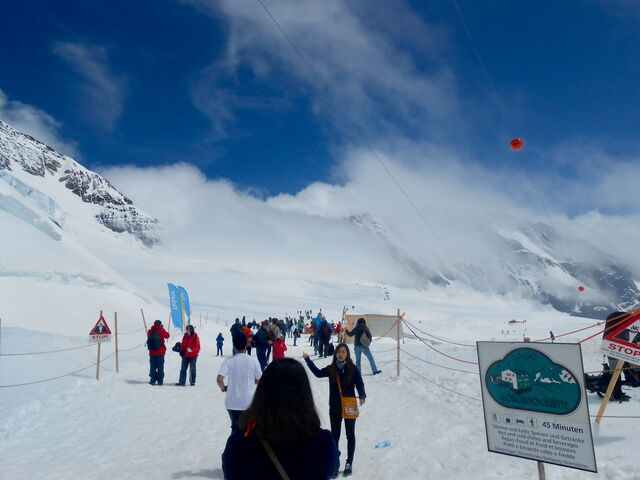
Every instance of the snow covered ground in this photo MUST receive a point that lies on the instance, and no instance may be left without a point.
(121, 427)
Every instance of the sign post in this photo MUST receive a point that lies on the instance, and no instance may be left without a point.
(117, 360)
(398, 345)
(98, 334)
(535, 405)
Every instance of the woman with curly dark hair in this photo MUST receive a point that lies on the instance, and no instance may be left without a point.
(281, 431)
(344, 380)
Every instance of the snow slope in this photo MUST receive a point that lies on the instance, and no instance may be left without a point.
(120, 427)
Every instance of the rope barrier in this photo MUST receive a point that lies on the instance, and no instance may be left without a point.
(615, 322)
(438, 351)
(129, 333)
(385, 351)
(440, 386)
(569, 333)
(74, 372)
(132, 348)
(442, 339)
(48, 351)
(624, 369)
(59, 376)
(616, 416)
(387, 332)
(436, 365)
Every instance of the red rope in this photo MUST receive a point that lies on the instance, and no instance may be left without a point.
(569, 333)
(438, 351)
(616, 321)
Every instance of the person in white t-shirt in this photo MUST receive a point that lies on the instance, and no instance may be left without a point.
(241, 373)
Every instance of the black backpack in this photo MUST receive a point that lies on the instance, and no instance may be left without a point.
(324, 329)
(153, 341)
(331, 349)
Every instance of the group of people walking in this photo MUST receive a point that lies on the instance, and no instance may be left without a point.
(273, 416)
(270, 405)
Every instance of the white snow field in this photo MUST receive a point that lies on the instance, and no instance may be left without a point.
(121, 427)
(59, 268)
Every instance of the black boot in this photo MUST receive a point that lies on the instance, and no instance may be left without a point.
(347, 470)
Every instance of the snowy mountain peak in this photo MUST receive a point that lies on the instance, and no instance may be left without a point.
(37, 171)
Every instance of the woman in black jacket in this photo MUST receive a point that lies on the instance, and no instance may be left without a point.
(343, 370)
(362, 334)
(282, 418)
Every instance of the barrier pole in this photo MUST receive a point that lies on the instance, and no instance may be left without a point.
(605, 401)
(144, 321)
(398, 343)
(117, 360)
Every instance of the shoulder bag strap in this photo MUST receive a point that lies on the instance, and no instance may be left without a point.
(274, 459)
(338, 382)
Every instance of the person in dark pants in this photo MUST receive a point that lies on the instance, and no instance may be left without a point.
(261, 341)
(344, 371)
(235, 328)
(189, 349)
(285, 423)
(242, 373)
(325, 337)
(362, 340)
(219, 342)
(156, 356)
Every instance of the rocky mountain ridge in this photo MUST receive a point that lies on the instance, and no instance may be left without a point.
(22, 153)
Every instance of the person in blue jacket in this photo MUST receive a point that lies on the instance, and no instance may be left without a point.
(282, 418)
(219, 342)
(343, 370)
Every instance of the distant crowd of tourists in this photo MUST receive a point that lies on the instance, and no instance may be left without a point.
(262, 390)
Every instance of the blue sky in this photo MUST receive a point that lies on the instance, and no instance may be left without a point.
(215, 84)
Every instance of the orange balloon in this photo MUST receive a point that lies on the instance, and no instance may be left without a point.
(517, 144)
(581, 288)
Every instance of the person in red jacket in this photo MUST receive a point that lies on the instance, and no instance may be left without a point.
(279, 348)
(249, 334)
(189, 349)
(155, 343)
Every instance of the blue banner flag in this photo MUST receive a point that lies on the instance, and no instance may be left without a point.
(176, 306)
(186, 308)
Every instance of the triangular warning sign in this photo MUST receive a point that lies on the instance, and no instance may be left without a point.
(101, 327)
(626, 332)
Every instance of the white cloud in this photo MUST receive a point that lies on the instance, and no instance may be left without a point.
(103, 91)
(314, 232)
(37, 123)
(362, 80)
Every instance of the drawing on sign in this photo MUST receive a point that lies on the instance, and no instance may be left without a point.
(527, 379)
(623, 341)
(101, 327)
(624, 331)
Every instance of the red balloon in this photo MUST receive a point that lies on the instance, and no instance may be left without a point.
(517, 144)
(581, 288)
